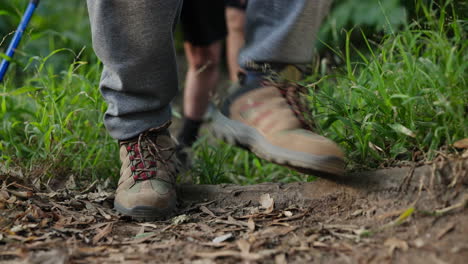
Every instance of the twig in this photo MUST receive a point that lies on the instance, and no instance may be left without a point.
(457, 171)
(17, 185)
(89, 187)
(408, 177)
(25, 194)
(462, 204)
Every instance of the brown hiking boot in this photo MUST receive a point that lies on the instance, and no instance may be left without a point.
(268, 121)
(146, 187)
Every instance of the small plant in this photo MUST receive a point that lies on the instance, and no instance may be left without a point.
(219, 162)
(53, 123)
(401, 98)
(209, 165)
(404, 96)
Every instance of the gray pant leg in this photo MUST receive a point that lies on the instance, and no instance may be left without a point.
(134, 40)
(282, 31)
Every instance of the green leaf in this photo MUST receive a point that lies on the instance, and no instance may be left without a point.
(22, 90)
(405, 215)
(5, 13)
(403, 130)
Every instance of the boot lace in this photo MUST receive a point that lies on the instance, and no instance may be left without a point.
(296, 97)
(145, 154)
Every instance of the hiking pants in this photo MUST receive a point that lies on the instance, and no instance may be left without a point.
(134, 39)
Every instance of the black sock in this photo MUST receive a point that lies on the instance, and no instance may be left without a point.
(189, 132)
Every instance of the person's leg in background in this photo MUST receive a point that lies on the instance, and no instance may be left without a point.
(235, 20)
(204, 28)
(265, 117)
(134, 40)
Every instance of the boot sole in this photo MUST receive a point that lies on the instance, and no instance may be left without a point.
(145, 213)
(239, 134)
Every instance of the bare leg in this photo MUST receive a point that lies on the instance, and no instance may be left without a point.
(235, 19)
(201, 79)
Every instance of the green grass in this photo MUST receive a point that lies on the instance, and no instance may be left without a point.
(405, 94)
(52, 124)
(218, 162)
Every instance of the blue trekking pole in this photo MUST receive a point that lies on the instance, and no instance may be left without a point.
(17, 37)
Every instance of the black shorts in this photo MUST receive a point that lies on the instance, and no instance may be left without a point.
(241, 4)
(204, 21)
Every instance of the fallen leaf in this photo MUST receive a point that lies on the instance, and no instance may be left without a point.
(103, 213)
(419, 243)
(280, 259)
(444, 231)
(90, 187)
(88, 251)
(288, 213)
(222, 238)
(243, 246)
(21, 194)
(402, 218)
(395, 243)
(203, 261)
(357, 212)
(207, 211)
(141, 231)
(267, 203)
(251, 224)
(70, 184)
(375, 147)
(142, 238)
(103, 233)
(19, 252)
(143, 234)
(4, 195)
(95, 226)
(232, 221)
(232, 253)
(319, 244)
(275, 231)
(53, 256)
(216, 245)
(461, 144)
(180, 219)
(217, 254)
(148, 225)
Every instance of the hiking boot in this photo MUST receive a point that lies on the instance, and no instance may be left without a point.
(146, 187)
(266, 118)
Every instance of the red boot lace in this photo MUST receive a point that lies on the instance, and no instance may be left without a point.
(296, 96)
(145, 168)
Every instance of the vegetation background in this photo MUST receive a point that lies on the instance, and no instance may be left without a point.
(392, 77)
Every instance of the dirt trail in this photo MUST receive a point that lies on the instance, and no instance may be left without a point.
(388, 216)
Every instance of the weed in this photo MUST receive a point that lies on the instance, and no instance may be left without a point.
(403, 95)
(54, 122)
(218, 162)
(408, 95)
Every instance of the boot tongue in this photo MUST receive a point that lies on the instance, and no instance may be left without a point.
(253, 78)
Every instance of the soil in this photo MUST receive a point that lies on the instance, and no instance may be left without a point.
(400, 215)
